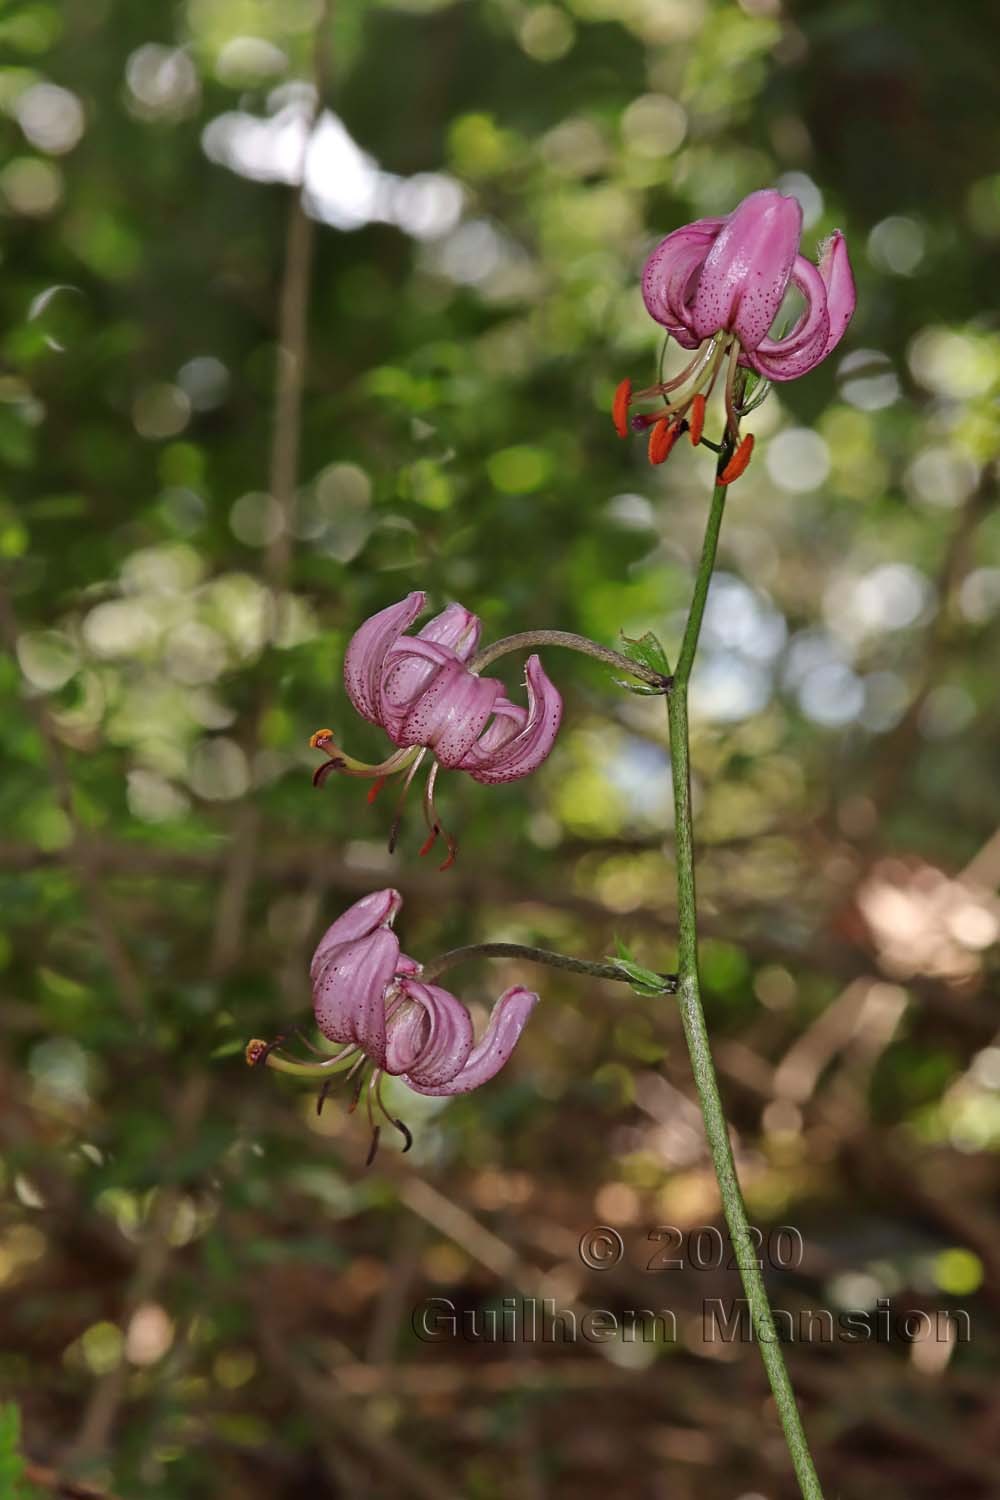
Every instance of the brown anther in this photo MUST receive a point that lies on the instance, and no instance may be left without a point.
(620, 406)
(661, 440)
(322, 772)
(321, 740)
(428, 843)
(696, 419)
(738, 463)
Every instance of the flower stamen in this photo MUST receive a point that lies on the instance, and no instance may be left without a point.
(738, 463)
(696, 419)
(620, 406)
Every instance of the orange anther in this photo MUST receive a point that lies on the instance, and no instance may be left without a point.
(620, 406)
(428, 843)
(696, 420)
(661, 439)
(255, 1051)
(375, 788)
(321, 740)
(738, 463)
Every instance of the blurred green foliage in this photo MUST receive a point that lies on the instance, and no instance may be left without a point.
(202, 1293)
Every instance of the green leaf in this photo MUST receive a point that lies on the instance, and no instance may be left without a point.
(647, 651)
(642, 981)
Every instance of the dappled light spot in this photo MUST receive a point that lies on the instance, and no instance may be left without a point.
(31, 187)
(801, 186)
(798, 460)
(149, 1335)
(51, 117)
(218, 770)
(162, 83)
(897, 245)
(867, 380)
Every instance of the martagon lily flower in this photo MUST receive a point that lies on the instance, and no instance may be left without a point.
(420, 691)
(717, 286)
(368, 996)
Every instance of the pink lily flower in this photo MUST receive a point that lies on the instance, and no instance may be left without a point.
(717, 286)
(420, 691)
(368, 996)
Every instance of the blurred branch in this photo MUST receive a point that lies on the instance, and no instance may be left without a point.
(292, 359)
(353, 1428)
(66, 1489)
(100, 1414)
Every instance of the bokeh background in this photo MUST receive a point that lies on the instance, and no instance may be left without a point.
(234, 421)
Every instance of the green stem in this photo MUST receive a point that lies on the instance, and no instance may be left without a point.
(445, 961)
(696, 1031)
(525, 639)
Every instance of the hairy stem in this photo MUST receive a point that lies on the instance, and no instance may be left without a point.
(696, 1031)
(448, 960)
(527, 638)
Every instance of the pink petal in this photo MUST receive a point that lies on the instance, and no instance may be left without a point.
(455, 627)
(367, 648)
(802, 347)
(507, 722)
(439, 1049)
(451, 713)
(746, 272)
(526, 751)
(406, 1036)
(841, 297)
(669, 275)
(507, 1021)
(409, 668)
(349, 991)
(358, 921)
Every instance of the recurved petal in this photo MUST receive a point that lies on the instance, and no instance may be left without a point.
(409, 668)
(373, 911)
(803, 346)
(430, 1039)
(746, 271)
(455, 627)
(525, 752)
(670, 275)
(841, 296)
(349, 991)
(451, 713)
(507, 1021)
(367, 648)
(507, 722)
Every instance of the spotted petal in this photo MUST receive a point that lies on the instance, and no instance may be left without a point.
(510, 1014)
(525, 751)
(349, 991)
(431, 1037)
(670, 276)
(367, 648)
(455, 627)
(451, 713)
(360, 920)
(747, 269)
